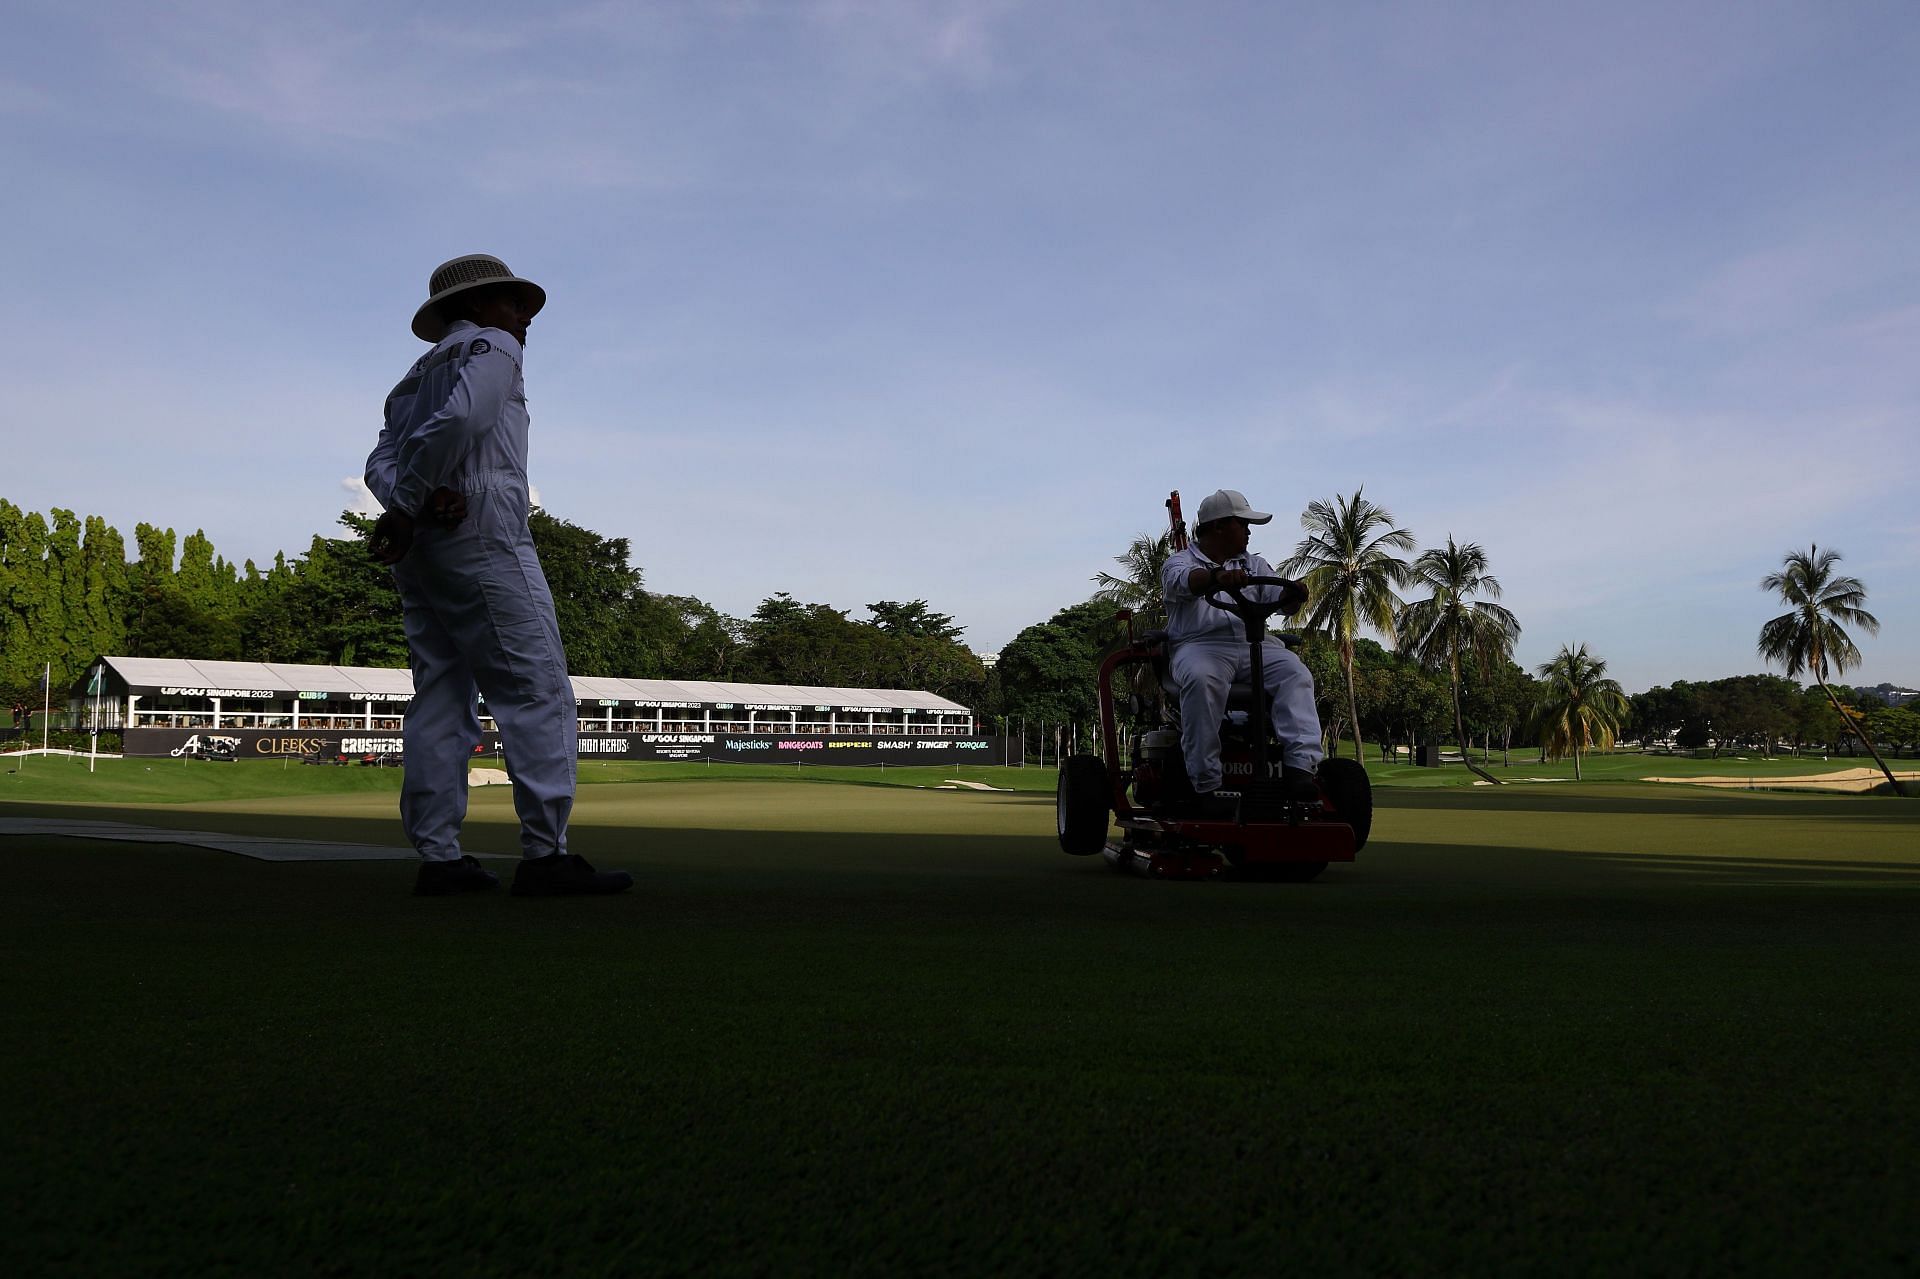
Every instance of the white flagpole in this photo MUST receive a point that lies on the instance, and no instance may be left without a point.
(46, 705)
(93, 721)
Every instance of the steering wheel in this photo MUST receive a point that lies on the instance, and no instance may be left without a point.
(1293, 597)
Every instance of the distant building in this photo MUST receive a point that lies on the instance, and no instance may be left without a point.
(988, 660)
(1891, 694)
(170, 706)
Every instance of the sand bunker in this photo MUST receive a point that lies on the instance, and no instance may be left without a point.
(1850, 779)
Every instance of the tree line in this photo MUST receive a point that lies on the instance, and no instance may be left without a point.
(1766, 714)
(69, 592)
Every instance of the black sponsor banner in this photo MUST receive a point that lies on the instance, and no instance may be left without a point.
(732, 748)
(772, 748)
(259, 743)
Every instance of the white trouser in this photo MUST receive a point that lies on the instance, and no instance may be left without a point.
(479, 618)
(1205, 669)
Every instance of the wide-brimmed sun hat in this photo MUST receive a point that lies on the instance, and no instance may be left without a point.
(475, 270)
(1223, 503)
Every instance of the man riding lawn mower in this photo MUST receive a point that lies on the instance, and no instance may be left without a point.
(1222, 773)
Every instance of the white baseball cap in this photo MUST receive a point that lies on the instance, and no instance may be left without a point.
(1228, 503)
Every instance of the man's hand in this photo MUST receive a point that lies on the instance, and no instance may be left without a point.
(1205, 581)
(392, 537)
(445, 508)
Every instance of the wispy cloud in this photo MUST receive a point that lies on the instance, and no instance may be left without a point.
(921, 37)
(1784, 285)
(360, 498)
(296, 72)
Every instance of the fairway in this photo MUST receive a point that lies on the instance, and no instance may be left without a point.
(879, 1029)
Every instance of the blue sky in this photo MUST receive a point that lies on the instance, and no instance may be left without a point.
(865, 300)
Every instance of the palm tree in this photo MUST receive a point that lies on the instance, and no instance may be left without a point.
(1350, 575)
(1579, 706)
(1812, 634)
(1138, 588)
(1436, 630)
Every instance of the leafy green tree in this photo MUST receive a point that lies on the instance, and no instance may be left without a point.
(23, 598)
(1350, 573)
(939, 666)
(171, 623)
(1663, 711)
(334, 606)
(156, 550)
(913, 620)
(788, 642)
(1373, 668)
(680, 637)
(204, 577)
(63, 596)
(711, 649)
(1817, 719)
(102, 612)
(1895, 726)
(1413, 704)
(1048, 671)
(921, 649)
(594, 588)
(1497, 699)
(1317, 650)
(1750, 709)
(1449, 622)
(1813, 634)
(65, 622)
(1579, 707)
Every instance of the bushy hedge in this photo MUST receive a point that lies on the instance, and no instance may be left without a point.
(63, 739)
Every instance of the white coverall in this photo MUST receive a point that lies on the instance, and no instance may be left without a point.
(478, 614)
(1209, 655)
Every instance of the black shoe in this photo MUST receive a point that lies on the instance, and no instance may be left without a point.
(443, 879)
(1299, 785)
(566, 875)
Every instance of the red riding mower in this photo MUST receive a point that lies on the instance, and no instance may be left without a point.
(1249, 829)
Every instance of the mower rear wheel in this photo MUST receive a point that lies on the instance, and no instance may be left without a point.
(1346, 784)
(1080, 805)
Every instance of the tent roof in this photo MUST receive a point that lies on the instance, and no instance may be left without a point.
(150, 675)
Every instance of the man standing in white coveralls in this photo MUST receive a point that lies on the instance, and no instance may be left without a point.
(451, 471)
(1209, 652)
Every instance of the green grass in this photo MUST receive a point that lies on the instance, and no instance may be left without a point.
(65, 779)
(62, 779)
(1526, 767)
(882, 1030)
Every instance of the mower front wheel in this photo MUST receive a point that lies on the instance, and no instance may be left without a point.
(1080, 805)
